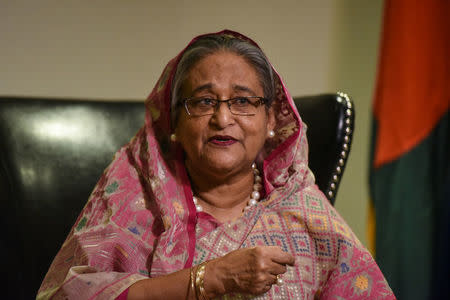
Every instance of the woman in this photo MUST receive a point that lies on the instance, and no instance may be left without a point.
(213, 197)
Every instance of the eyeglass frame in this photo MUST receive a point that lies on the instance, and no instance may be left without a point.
(261, 102)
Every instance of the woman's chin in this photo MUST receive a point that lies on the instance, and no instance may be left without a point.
(223, 169)
(219, 167)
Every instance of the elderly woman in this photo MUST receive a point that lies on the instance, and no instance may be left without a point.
(213, 197)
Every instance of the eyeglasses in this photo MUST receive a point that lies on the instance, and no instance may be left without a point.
(241, 106)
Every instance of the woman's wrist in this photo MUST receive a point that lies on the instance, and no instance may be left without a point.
(213, 286)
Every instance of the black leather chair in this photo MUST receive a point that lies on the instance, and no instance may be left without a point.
(52, 152)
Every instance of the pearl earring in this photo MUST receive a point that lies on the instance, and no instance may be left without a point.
(173, 137)
(271, 133)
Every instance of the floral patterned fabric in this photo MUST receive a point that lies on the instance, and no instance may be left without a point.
(140, 220)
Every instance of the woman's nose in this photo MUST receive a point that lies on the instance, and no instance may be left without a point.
(222, 115)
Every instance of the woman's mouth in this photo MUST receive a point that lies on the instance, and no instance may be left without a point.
(222, 140)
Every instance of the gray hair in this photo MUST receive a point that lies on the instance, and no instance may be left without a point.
(210, 44)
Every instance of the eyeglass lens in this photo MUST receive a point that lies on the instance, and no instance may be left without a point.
(237, 106)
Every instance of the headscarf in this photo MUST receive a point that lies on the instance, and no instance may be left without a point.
(141, 221)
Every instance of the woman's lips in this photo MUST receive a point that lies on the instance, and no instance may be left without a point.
(222, 140)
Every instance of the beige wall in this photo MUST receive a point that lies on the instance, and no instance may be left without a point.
(117, 49)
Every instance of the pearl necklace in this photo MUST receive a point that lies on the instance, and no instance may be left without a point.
(254, 197)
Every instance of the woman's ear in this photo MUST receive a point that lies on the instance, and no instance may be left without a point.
(271, 122)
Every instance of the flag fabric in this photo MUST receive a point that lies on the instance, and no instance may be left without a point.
(410, 167)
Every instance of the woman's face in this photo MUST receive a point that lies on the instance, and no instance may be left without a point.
(222, 143)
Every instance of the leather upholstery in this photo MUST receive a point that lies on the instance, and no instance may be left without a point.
(330, 121)
(53, 151)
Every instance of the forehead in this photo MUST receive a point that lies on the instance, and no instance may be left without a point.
(222, 72)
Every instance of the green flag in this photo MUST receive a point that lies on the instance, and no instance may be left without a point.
(410, 173)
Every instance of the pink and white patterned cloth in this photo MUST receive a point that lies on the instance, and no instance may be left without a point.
(140, 220)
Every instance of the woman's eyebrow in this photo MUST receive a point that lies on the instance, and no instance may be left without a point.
(241, 88)
(236, 88)
(207, 86)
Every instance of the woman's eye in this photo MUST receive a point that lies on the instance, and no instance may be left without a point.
(202, 102)
(241, 101)
(206, 101)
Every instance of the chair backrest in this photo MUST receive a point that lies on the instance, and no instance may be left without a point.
(330, 119)
(52, 152)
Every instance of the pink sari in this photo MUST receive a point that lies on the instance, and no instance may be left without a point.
(140, 220)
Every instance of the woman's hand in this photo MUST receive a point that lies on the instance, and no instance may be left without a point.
(248, 270)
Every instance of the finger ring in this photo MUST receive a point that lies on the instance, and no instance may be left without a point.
(279, 280)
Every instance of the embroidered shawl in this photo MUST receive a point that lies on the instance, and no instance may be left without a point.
(140, 220)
